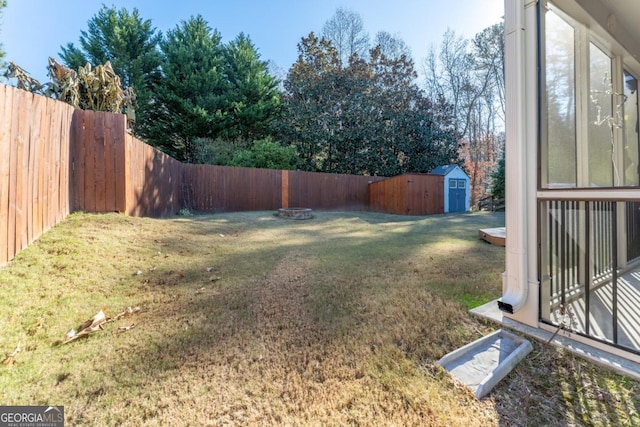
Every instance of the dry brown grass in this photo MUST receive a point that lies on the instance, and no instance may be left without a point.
(334, 321)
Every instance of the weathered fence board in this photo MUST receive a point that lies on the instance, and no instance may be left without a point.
(78, 159)
(32, 169)
(42, 201)
(50, 169)
(110, 154)
(22, 174)
(5, 150)
(64, 198)
(99, 162)
(89, 167)
(118, 132)
(13, 177)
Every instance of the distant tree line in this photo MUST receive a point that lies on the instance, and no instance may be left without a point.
(347, 105)
(470, 75)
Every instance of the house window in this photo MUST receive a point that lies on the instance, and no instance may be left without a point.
(453, 183)
(461, 183)
(560, 103)
(601, 129)
(590, 109)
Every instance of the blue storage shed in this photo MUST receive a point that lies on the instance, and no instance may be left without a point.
(457, 194)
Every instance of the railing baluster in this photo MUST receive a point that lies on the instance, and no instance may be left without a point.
(563, 253)
(614, 268)
(587, 266)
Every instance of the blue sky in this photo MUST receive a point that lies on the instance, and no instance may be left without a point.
(33, 30)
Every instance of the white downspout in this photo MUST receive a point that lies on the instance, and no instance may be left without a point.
(515, 278)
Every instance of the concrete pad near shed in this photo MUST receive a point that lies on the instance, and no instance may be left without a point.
(481, 364)
(495, 236)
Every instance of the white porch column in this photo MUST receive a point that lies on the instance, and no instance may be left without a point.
(520, 283)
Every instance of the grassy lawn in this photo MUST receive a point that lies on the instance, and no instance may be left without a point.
(249, 319)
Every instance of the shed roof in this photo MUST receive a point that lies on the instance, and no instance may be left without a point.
(444, 169)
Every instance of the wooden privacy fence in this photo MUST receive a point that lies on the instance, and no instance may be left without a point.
(55, 160)
(35, 154)
(227, 189)
(327, 191)
(409, 194)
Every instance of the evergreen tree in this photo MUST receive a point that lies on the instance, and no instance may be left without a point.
(191, 97)
(130, 44)
(253, 98)
(498, 180)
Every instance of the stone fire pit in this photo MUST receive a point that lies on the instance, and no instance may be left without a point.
(294, 213)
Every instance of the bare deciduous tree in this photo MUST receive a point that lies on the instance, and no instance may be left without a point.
(391, 46)
(345, 30)
(469, 74)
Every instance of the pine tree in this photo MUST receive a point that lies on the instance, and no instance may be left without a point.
(190, 98)
(254, 100)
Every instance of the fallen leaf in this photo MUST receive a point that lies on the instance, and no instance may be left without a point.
(90, 326)
(37, 326)
(10, 359)
(39, 323)
(94, 323)
(126, 328)
(126, 312)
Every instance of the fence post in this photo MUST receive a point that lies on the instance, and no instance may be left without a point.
(128, 191)
(285, 189)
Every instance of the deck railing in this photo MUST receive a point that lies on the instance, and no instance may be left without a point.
(586, 247)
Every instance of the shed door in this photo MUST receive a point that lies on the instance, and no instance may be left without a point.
(457, 195)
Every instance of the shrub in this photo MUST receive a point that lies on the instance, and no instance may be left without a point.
(266, 153)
